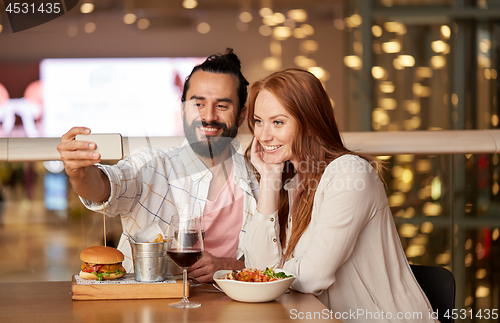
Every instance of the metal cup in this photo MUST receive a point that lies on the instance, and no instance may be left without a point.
(150, 261)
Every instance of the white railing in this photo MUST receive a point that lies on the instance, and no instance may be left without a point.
(373, 143)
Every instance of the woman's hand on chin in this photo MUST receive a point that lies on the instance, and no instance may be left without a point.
(266, 169)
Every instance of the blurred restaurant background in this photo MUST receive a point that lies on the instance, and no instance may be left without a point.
(388, 65)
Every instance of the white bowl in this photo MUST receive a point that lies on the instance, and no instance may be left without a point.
(253, 292)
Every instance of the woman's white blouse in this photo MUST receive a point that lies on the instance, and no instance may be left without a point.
(350, 256)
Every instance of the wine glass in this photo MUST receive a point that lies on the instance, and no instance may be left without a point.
(192, 209)
(185, 247)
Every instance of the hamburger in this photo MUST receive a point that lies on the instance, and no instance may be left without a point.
(101, 262)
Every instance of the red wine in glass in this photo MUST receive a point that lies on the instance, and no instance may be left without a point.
(185, 257)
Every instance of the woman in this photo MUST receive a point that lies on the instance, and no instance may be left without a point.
(322, 212)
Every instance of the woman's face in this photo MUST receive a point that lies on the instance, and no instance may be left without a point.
(275, 128)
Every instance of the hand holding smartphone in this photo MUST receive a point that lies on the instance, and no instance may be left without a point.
(109, 145)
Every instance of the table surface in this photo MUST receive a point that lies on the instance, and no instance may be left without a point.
(42, 302)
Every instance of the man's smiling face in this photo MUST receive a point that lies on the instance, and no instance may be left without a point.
(210, 113)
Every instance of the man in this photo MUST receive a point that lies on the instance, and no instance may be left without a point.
(206, 168)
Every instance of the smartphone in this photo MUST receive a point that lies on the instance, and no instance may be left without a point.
(109, 145)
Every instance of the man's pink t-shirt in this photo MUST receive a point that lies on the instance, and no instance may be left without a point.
(223, 219)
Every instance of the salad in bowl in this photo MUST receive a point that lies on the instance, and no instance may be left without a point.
(254, 285)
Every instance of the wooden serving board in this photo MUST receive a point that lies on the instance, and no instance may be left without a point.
(116, 289)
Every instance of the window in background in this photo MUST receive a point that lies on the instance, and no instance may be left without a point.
(132, 96)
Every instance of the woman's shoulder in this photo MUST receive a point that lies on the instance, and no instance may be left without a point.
(349, 163)
(351, 173)
(350, 168)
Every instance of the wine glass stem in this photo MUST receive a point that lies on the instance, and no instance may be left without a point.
(184, 284)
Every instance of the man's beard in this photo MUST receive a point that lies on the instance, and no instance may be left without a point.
(211, 146)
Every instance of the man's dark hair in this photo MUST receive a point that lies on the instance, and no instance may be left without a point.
(224, 64)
